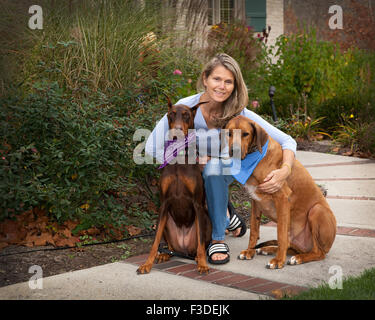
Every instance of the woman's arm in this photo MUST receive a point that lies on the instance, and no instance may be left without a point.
(155, 142)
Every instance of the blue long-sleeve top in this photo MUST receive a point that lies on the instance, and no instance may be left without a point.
(209, 139)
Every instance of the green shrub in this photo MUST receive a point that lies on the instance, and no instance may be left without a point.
(61, 154)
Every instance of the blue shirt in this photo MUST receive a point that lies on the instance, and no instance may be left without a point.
(209, 138)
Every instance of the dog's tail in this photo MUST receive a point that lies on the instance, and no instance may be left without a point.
(266, 243)
(292, 246)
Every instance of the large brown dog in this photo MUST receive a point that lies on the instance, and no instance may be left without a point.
(183, 218)
(305, 223)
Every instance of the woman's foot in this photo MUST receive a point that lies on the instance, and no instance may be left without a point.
(237, 224)
(218, 252)
(236, 232)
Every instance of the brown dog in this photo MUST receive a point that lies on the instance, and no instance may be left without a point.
(183, 218)
(305, 222)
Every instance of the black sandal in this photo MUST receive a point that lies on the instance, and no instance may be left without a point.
(218, 248)
(236, 221)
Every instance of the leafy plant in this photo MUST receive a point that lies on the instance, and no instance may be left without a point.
(356, 134)
(61, 154)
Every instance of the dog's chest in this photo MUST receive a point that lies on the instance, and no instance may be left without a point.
(251, 190)
(264, 202)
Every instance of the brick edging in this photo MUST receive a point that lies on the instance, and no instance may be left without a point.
(223, 278)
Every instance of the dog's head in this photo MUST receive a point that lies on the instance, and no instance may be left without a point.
(181, 117)
(249, 136)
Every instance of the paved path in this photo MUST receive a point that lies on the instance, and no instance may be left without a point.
(351, 195)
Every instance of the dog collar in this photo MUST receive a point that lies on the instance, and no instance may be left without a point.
(174, 147)
(241, 170)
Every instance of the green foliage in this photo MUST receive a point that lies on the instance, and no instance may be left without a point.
(305, 69)
(100, 45)
(62, 154)
(317, 82)
(356, 134)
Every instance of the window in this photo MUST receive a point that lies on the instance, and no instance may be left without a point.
(256, 14)
(226, 11)
(220, 11)
(210, 12)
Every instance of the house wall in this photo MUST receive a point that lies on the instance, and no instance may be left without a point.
(275, 19)
(315, 13)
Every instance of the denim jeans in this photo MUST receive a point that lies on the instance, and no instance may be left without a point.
(216, 183)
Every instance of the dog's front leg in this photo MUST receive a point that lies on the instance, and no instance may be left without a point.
(282, 206)
(146, 267)
(249, 253)
(201, 250)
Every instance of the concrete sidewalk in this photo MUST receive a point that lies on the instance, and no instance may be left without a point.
(351, 195)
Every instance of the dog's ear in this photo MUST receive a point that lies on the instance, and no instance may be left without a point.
(260, 136)
(169, 101)
(195, 108)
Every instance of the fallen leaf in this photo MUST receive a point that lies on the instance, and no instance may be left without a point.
(133, 231)
(152, 207)
(348, 153)
(93, 231)
(66, 233)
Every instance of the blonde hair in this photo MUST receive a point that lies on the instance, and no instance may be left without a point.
(239, 98)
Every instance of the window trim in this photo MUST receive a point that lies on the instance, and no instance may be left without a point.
(216, 12)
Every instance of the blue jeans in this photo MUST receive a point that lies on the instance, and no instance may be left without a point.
(216, 184)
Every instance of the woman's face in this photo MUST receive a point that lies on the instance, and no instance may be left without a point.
(219, 84)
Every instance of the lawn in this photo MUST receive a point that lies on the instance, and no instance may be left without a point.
(353, 288)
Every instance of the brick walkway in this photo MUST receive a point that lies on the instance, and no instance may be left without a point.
(223, 278)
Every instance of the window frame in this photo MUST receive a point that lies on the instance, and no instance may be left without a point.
(214, 15)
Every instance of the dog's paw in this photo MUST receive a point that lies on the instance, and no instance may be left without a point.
(275, 264)
(247, 254)
(294, 261)
(262, 252)
(144, 268)
(162, 257)
(203, 269)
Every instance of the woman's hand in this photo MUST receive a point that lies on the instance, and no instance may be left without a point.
(274, 180)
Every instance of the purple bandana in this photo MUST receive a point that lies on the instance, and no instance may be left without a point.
(173, 147)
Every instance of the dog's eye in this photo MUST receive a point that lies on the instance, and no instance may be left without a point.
(245, 134)
(186, 116)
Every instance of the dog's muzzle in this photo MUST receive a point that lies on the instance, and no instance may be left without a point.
(235, 151)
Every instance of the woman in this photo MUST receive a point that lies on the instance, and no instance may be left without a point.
(222, 85)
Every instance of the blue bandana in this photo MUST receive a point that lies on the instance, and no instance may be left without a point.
(247, 165)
